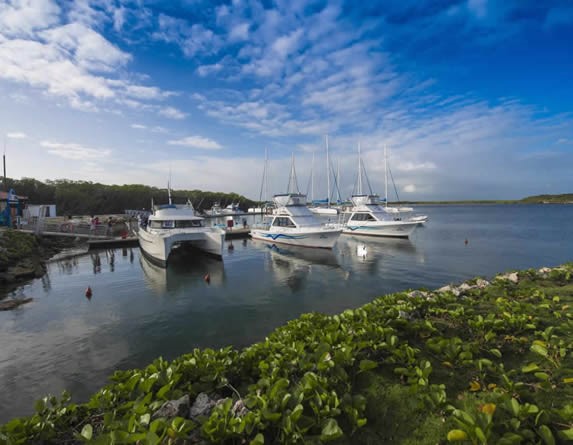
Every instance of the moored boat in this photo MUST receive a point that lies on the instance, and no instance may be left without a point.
(172, 226)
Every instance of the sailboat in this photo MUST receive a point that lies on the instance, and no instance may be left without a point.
(293, 223)
(397, 210)
(368, 217)
(322, 207)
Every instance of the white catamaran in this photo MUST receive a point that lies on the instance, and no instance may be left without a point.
(173, 226)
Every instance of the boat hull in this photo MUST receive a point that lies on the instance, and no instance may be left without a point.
(396, 229)
(157, 246)
(324, 239)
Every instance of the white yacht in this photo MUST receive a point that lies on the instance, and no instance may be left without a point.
(293, 223)
(368, 217)
(173, 226)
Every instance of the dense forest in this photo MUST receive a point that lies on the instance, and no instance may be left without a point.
(566, 198)
(85, 198)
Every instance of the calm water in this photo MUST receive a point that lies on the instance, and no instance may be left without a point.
(138, 312)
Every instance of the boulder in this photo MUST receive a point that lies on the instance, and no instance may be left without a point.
(202, 405)
(481, 283)
(173, 408)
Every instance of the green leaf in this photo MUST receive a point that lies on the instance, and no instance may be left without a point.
(152, 438)
(144, 419)
(330, 430)
(87, 432)
(530, 368)
(456, 435)
(164, 389)
(543, 376)
(480, 435)
(538, 349)
(496, 352)
(566, 434)
(258, 440)
(546, 435)
(367, 365)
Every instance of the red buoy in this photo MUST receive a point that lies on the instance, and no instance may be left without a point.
(89, 292)
(207, 278)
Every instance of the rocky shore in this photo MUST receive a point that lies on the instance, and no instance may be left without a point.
(23, 257)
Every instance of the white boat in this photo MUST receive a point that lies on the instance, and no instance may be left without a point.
(293, 223)
(173, 226)
(232, 209)
(368, 217)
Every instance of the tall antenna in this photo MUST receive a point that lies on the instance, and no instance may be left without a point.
(292, 182)
(169, 186)
(312, 178)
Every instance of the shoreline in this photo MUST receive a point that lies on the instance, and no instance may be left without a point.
(414, 365)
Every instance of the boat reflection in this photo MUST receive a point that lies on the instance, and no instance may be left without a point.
(184, 270)
(370, 249)
(292, 265)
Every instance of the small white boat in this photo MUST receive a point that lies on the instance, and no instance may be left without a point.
(294, 224)
(232, 209)
(173, 226)
(367, 217)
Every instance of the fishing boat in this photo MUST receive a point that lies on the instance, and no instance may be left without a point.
(172, 226)
(368, 217)
(293, 223)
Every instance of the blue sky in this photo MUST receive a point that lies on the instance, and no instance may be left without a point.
(474, 98)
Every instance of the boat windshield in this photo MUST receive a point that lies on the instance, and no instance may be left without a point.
(175, 224)
(362, 217)
(283, 221)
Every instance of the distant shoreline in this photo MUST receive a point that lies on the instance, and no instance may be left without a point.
(476, 202)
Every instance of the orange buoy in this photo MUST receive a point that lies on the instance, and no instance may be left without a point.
(207, 278)
(89, 292)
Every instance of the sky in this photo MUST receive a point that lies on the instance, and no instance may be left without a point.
(472, 98)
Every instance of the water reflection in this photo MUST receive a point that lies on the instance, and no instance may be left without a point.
(293, 265)
(183, 270)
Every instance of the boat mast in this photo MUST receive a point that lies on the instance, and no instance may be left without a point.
(385, 176)
(327, 175)
(359, 171)
(312, 179)
(292, 182)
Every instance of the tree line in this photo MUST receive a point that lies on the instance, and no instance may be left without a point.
(86, 198)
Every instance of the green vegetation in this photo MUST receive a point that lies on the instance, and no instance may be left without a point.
(479, 363)
(85, 198)
(566, 198)
(15, 246)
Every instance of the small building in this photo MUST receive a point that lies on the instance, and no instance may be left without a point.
(40, 211)
(12, 208)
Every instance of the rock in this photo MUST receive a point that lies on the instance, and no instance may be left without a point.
(13, 304)
(449, 288)
(239, 409)
(202, 405)
(513, 277)
(418, 293)
(464, 287)
(173, 408)
(481, 283)
(544, 270)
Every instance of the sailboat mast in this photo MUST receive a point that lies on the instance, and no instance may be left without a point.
(327, 175)
(312, 179)
(385, 176)
(359, 171)
(266, 178)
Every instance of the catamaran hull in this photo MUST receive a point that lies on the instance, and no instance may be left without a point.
(157, 247)
(323, 239)
(397, 229)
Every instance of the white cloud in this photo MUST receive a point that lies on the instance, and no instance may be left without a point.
(197, 142)
(88, 48)
(74, 151)
(286, 45)
(239, 32)
(16, 135)
(24, 17)
(172, 113)
(409, 188)
(138, 126)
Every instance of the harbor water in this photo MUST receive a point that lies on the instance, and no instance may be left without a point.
(63, 340)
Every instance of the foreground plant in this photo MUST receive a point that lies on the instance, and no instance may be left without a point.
(480, 363)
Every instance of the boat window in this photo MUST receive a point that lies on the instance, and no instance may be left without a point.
(188, 223)
(167, 224)
(362, 217)
(155, 224)
(283, 221)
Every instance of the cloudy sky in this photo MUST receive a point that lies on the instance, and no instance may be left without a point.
(474, 98)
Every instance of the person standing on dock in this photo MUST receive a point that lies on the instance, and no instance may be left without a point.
(109, 226)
